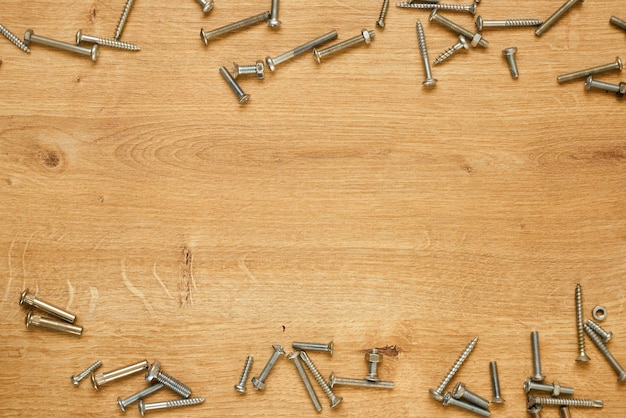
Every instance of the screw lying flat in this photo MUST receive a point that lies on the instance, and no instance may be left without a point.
(155, 373)
(449, 400)
(241, 385)
(259, 382)
(462, 44)
(495, 382)
(437, 394)
(77, 378)
(534, 343)
(509, 54)
(365, 37)
(616, 65)
(206, 36)
(380, 23)
(555, 389)
(429, 81)
(439, 6)
(618, 22)
(274, 22)
(476, 38)
(618, 89)
(578, 297)
(461, 392)
(564, 412)
(257, 69)
(273, 62)
(30, 37)
(535, 411)
(334, 399)
(14, 39)
(232, 83)
(30, 299)
(581, 403)
(100, 379)
(506, 23)
(621, 373)
(346, 381)
(123, 403)
(52, 324)
(81, 37)
(556, 16)
(304, 346)
(602, 333)
(207, 5)
(295, 356)
(143, 407)
(122, 22)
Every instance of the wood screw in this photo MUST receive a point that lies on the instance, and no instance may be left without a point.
(430, 81)
(580, 403)
(462, 44)
(507, 23)
(334, 399)
(380, 23)
(122, 22)
(439, 6)
(123, 403)
(241, 385)
(143, 407)
(621, 373)
(77, 378)
(602, 333)
(437, 394)
(14, 39)
(81, 37)
(578, 297)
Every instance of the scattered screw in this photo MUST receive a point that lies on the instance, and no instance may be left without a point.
(273, 62)
(207, 5)
(564, 411)
(122, 21)
(476, 38)
(430, 81)
(345, 381)
(509, 54)
(373, 358)
(123, 403)
(461, 392)
(206, 36)
(383, 12)
(507, 23)
(143, 407)
(437, 394)
(295, 356)
(365, 36)
(274, 22)
(243, 97)
(14, 39)
(30, 37)
(581, 403)
(621, 373)
(495, 382)
(617, 65)
(77, 378)
(334, 399)
(100, 379)
(439, 6)
(257, 69)
(30, 299)
(618, 89)
(81, 37)
(52, 324)
(618, 22)
(535, 411)
(555, 389)
(259, 382)
(449, 400)
(462, 44)
(241, 385)
(578, 296)
(534, 343)
(304, 346)
(556, 16)
(155, 373)
(602, 333)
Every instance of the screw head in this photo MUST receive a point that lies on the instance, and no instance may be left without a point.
(273, 22)
(27, 36)
(430, 82)
(93, 381)
(527, 385)
(142, 407)
(331, 380)
(445, 400)
(203, 36)
(270, 63)
(79, 36)
(208, 6)
(432, 15)
(620, 93)
(380, 23)
(317, 56)
(258, 385)
(121, 404)
(336, 400)
(479, 23)
(463, 42)
(28, 319)
(582, 357)
(153, 371)
(588, 81)
(95, 52)
(240, 388)
(618, 61)
(458, 391)
(331, 346)
(435, 395)
(23, 296)
(472, 8)
(509, 51)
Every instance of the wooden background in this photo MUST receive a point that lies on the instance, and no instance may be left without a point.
(343, 202)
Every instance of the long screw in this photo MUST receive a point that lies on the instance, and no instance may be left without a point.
(383, 12)
(155, 373)
(30, 37)
(30, 299)
(602, 333)
(476, 38)
(232, 83)
(346, 381)
(429, 81)
(77, 378)
(437, 394)
(555, 389)
(581, 403)
(305, 346)
(123, 403)
(241, 385)
(618, 22)
(207, 5)
(122, 21)
(461, 392)
(273, 62)
(556, 16)
(438, 6)
(274, 22)
(621, 373)
(618, 89)
(206, 36)
(143, 407)
(52, 324)
(449, 400)
(509, 55)
(578, 297)
(295, 356)
(334, 399)
(100, 379)
(259, 382)
(365, 36)
(506, 23)
(14, 39)
(534, 343)
(462, 44)
(616, 65)
(81, 37)
(495, 382)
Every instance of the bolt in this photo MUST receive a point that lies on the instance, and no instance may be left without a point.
(243, 97)
(509, 54)
(122, 21)
(439, 6)
(581, 403)
(507, 23)
(304, 346)
(30, 37)
(495, 382)
(618, 89)
(77, 378)
(564, 411)
(295, 356)
(207, 5)
(437, 394)
(449, 400)
(143, 407)
(334, 399)
(621, 373)
(617, 65)
(461, 392)
(618, 22)
(258, 69)
(155, 373)
(206, 36)
(462, 44)
(123, 403)
(365, 36)
(273, 62)
(429, 81)
(476, 38)
(81, 37)
(578, 296)
(556, 16)
(383, 12)
(30, 299)
(602, 333)
(274, 22)
(53, 324)
(373, 358)
(100, 379)
(259, 382)
(555, 389)
(535, 411)
(14, 39)
(345, 381)
(534, 343)
(241, 385)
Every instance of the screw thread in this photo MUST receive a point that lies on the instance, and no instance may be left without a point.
(606, 353)
(234, 26)
(383, 13)
(579, 324)
(457, 365)
(178, 387)
(184, 402)
(448, 53)
(438, 6)
(581, 403)
(14, 39)
(86, 372)
(117, 44)
(605, 335)
(123, 17)
(318, 376)
(522, 22)
(244, 374)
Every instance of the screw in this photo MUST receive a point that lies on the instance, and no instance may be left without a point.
(476, 38)
(507, 23)
(449, 400)
(259, 382)
(243, 97)
(143, 407)
(535, 411)
(206, 36)
(207, 5)
(373, 358)
(509, 54)
(241, 386)
(77, 378)
(122, 21)
(534, 343)
(155, 373)
(437, 394)
(273, 62)
(30, 299)
(81, 37)
(258, 69)
(602, 333)
(365, 36)
(303, 346)
(495, 382)
(334, 399)
(618, 89)
(100, 379)
(556, 16)
(617, 65)
(295, 356)
(53, 324)
(461, 392)
(430, 81)
(578, 296)
(345, 381)
(581, 403)
(274, 22)
(14, 39)
(564, 411)
(618, 22)
(123, 403)
(439, 6)
(462, 44)
(555, 389)
(30, 37)
(383, 12)
(621, 373)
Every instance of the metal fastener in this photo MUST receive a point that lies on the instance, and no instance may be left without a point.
(429, 81)
(506, 23)
(30, 37)
(14, 39)
(462, 44)
(304, 346)
(383, 12)
(495, 382)
(618, 89)
(52, 324)
(578, 297)
(259, 382)
(232, 83)
(80, 376)
(365, 37)
(100, 379)
(244, 23)
(599, 312)
(616, 65)
(449, 400)
(509, 54)
(564, 411)
(273, 62)
(334, 399)
(581, 403)
(461, 392)
(143, 407)
(30, 299)
(207, 5)
(476, 38)
(555, 389)
(155, 373)
(621, 373)
(81, 37)
(274, 22)
(123, 403)
(534, 343)
(535, 411)
(346, 381)
(372, 358)
(122, 22)
(614, 20)
(258, 69)
(295, 357)
(556, 16)
(602, 333)
(437, 394)
(439, 6)
(241, 385)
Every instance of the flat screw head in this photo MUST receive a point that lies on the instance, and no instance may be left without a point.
(23, 296)
(79, 36)
(153, 371)
(317, 56)
(203, 36)
(436, 395)
(509, 51)
(588, 81)
(432, 15)
(142, 407)
(479, 23)
(527, 385)
(93, 381)
(618, 61)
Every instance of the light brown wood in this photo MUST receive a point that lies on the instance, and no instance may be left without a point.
(343, 202)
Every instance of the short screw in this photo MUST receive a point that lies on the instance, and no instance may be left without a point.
(273, 62)
(462, 44)
(507, 23)
(578, 297)
(305, 346)
(241, 385)
(564, 411)
(618, 89)
(30, 37)
(365, 37)
(207, 5)
(555, 389)
(495, 382)
(476, 38)
(373, 358)
(143, 407)
(52, 324)
(461, 392)
(334, 399)
(274, 22)
(439, 6)
(509, 54)
(449, 400)
(259, 382)
(534, 343)
(232, 83)
(123, 403)
(346, 381)
(621, 373)
(430, 81)
(556, 16)
(77, 378)
(206, 36)
(30, 299)
(581, 403)
(295, 357)
(380, 23)
(437, 394)
(616, 65)
(602, 333)
(155, 373)
(14, 39)
(81, 37)
(618, 22)
(100, 379)
(257, 69)
(123, 17)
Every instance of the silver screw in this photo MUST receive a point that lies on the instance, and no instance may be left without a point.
(581, 403)
(555, 389)
(564, 411)
(52, 324)
(143, 407)
(241, 385)
(30, 299)
(462, 44)
(437, 394)
(602, 333)
(14, 39)
(345, 381)
(257, 69)
(100, 379)
(534, 343)
(535, 411)
(244, 23)
(495, 382)
(618, 89)
(618, 22)
(556, 16)
(621, 373)
(243, 97)
(509, 54)
(461, 392)
(122, 21)
(449, 400)
(430, 81)
(155, 373)
(123, 403)
(77, 378)
(259, 382)
(207, 5)
(274, 22)
(439, 6)
(334, 399)
(507, 23)
(616, 65)
(476, 38)
(373, 358)
(578, 297)
(81, 37)
(383, 12)
(304, 346)
(30, 37)
(295, 356)
(365, 36)
(273, 62)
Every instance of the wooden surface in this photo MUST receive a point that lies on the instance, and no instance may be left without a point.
(343, 202)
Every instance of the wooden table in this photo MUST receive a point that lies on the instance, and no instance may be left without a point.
(344, 202)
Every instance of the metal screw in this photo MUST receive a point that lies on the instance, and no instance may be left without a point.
(621, 373)
(476, 38)
(123, 403)
(243, 97)
(345, 381)
(578, 296)
(509, 54)
(14, 39)
(365, 36)
(77, 378)
(259, 382)
(449, 400)
(241, 385)
(618, 89)
(244, 23)
(430, 81)
(495, 382)
(373, 358)
(461, 392)
(617, 65)
(295, 356)
(274, 22)
(507, 23)
(534, 343)
(81, 37)
(52, 324)
(100, 379)
(462, 44)
(439, 6)
(273, 62)
(564, 411)
(334, 399)
(122, 21)
(207, 5)
(143, 407)
(383, 12)
(30, 37)
(555, 389)
(602, 333)
(438, 393)
(30, 299)
(581, 403)
(618, 22)
(304, 346)
(556, 16)
(155, 373)
(257, 69)
(535, 411)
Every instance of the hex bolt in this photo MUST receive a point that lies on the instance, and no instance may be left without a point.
(578, 298)
(334, 399)
(346, 381)
(618, 89)
(449, 400)
(580, 403)
(602, 333)
(535, 411)
(100, 379)
(380, 23)
(305, 346)
(14, 39)
(555, 389)
(556, 16)
(155, 373)
(80, 376)
(509, 55)
(51, 324)
(295, 357)
(506, 23)
(373, 358)
(122, 22)
(564, 411)
(206, 36)
(232, 83)
(81, 37)
(207, 5)
(30, 299)
(258, 69)
(123, 403)
(365, 37)
(143, 407)
(30, 37)
(273, 62)
(614, 20)
(437, 394)
(462, 44)
(617, 65)
(259, 382)
(495, 382)
(439, 6)
(241, 385)
(534, 343)
(429, 81)
(461, 392)
(274, 22)
(621, 373)
(476, 38)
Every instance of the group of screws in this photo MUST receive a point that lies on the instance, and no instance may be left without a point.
(590, 83)
(65, 324)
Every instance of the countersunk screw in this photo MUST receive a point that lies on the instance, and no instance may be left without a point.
(476, 38)
(259, 382)
(618, 89)
(509, 54)
(581, 403)
(77, 378)
(334, 399)
(439, 6)
(616, 65)
(618, 22)
(373, 358)
(30, 37)
(535, 411)
(155, 373)
(30, 299)
(100, 379)
(602, 333)
(207, 5)
(295, 356)
(383, 12)
(578, 297)
(123, 17)
(243, 97)
(461, 392)
(621, 373)
(506, 23)
(273, 62)
(462, 44)
(365, 36)
(274, 22)
(52, 324)
(555, 389)
(534, 343)
(495, 382)
(123, 403)
(14, 39)
(556, 16)
(143, 407)
(449, 400)
(81, 37)
(430, 81)
(257, 69)
(241, 385)
(206, 36)
(304, 346)
(437, 394)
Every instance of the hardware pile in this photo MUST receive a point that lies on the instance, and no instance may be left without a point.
(32, 319)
